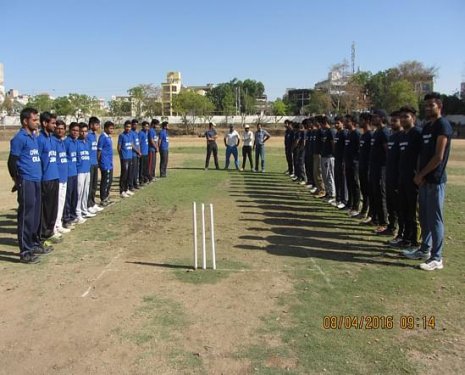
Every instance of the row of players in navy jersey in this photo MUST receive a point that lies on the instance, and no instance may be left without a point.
(56, 176)
(393, 178)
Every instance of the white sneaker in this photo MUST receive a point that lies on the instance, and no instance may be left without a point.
(97, 208)
(431, 265)
(63, 230)
(292, 175)
(313, 190)
(334, 203)
(332, 200)
(309, 186)
(353, 213)
(91, 210)
(124, 195)
(88, 215)
(80, 220)
(341, 206)
(302, 182)
(129, 192)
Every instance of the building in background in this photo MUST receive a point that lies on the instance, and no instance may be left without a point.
(170, 88)
(335, 83)
(297, 99)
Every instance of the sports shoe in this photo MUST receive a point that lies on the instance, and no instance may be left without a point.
(416, 254)
(88, 215)
(302, 182)
(320, 195)
(263, 171)
(395, 241)
(81, 220)
(384, 232)
(97, 208)
(91, 210)
(42, 250)
(124, 195)
(335, 203)
(332, 200)
(241, 169)
(341, 206)
(28, 257)
(129, 192)
(361, 216)
(292, 175)
(69, 226)
(431, 265)
(353, 213)
(367, 220)
(63, 230)
(56, 238)
(404, 244)
(313, 190)
(309, 186)
(295, 178)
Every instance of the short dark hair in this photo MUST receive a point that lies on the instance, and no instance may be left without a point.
(83, 125)
(127, 122)
(144, 123)
(433, 95)
(61, 123)
(408, 109)
(154, 122)
(74, 124)
(351, 118)
(107, 124)
(338, 118)
(365, 116)
(26, 114)
(164, 124)
(47, 116)
(134, 121)
(93, 120)
(395, 114)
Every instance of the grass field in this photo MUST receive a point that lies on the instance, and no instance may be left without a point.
(118, 296)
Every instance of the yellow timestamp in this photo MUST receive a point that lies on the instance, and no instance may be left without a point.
(409, 322)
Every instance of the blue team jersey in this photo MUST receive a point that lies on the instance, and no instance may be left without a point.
(125, 141)
(152, 136)
(62, 160)
(26, 148)
(105, 146)
(83, 156)
(48, 156)
(144, 142)
(92, 139)
(135, 137)
(164, 140)
(71, 153)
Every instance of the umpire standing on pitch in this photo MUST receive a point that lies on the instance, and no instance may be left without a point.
(212, 147)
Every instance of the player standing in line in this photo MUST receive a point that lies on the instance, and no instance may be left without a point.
(71, 142)
(339, 175)
(288, 140)
(163, 147)
(50, 178)
(105, 161)
(144, 154)
(125, 147)
(366, 213)
(260, 138)
(62, 163)
(232, 141)
(134, 170)
(83, 174)
(153, 149)
(351, 161)
(309, 153)
(94, 127)
(25, 169)
(327, 159)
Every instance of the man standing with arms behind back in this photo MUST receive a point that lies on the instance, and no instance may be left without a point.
(163, 147)
(432, 179)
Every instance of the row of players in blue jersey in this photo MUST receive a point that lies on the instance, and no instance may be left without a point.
(392, 178)
(56, 178)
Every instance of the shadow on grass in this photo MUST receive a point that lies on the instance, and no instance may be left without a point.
(303, 226)
(162, 265)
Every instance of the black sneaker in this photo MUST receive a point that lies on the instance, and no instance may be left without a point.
(42, 250)
(28, 258)
(386, 232)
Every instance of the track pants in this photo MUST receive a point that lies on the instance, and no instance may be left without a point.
(71, 200)
(29, 210)
(62, 187)
(83, 180)
(49, 208)
(105, 183)
(93, 185)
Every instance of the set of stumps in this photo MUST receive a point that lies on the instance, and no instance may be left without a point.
(204, 229)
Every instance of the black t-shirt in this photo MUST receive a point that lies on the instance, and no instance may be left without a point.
(317, 142)
(309, 141)
(430, 134)
(392, 160)
(365, 147)
(288, 137)
(378, 150)
(339, 143)
(327, 140)
(409, 150)
(352, 147)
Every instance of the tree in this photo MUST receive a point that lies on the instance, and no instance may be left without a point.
(145, 100)
(7, 106)
(191, 105)
(400, 93)
(120, 108)
(355, 98)
(63, 106)
(41, 102)
(320, 102)
(279, 109)
(83, 105)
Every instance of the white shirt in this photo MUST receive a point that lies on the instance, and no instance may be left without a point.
(247, 137)
(232, 138)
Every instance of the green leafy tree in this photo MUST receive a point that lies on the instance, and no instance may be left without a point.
(191, 105)
(279, 109)
(400, 93)
(83, 105)
(320, 102)
(41, 102)
(63, 107)
(145, 100)
(119, 108)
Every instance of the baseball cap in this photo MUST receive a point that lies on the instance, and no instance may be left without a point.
(246, 126)
(212, 124)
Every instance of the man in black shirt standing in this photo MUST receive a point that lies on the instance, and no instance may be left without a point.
(351, 157)
(319, 189)
(377, 171)
(366, 213)
(309, 153)
(392, 178)
(339, 174)
(327, 159)
(431, 180)
(288, 140)
(409, 148)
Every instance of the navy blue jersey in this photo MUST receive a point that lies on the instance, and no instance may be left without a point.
(327, 142)
(288, 137)
(339, 144)
(92, 139)
(309, 141)
(83, 156)
(26, 148)
(317, 142)
(430, 134)
(62, 160)
(71, 154)
(409, 150)
(125, 142)
(352, 147)
(379, 148)
(48, 156)
(105, 146)
(365, 147)
(392, 160)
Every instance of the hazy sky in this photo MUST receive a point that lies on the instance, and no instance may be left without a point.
(104, 47)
